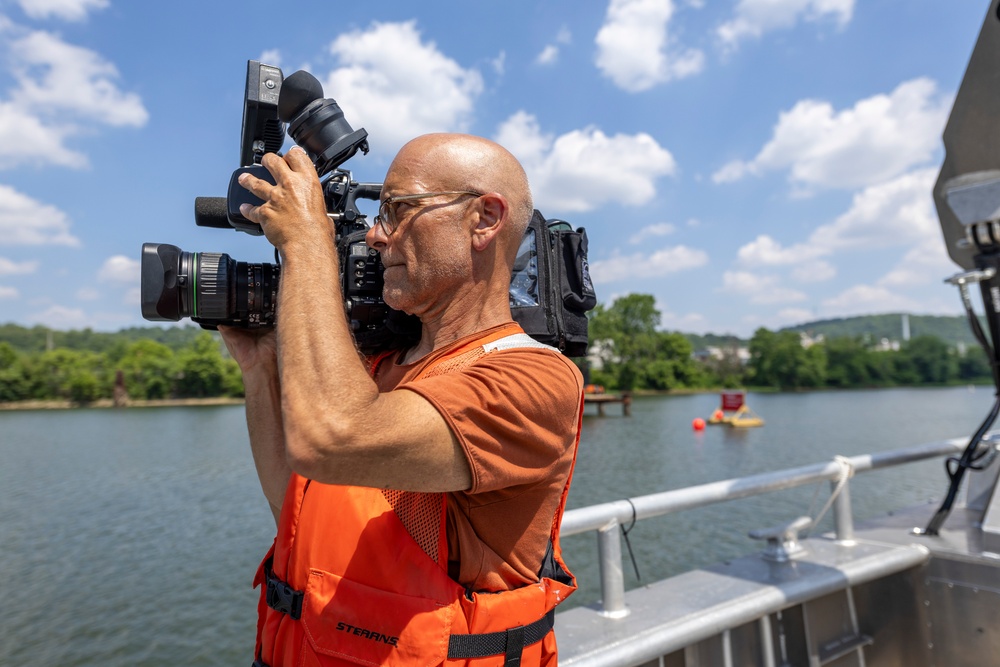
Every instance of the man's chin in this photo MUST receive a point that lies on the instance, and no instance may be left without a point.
(396, 300)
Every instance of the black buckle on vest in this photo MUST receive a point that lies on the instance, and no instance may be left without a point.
(282, 597)
(508, 643)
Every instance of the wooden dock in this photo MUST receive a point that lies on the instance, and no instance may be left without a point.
(600, 400)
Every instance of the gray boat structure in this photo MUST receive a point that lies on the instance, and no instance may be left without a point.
(918, 587)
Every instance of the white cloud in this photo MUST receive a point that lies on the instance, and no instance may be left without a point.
(55, 75)
(583, 169)
(635, 50)
(25, 139)
(548, 56)
(927, 262)
(8, 292)
(759, 289)
(816, 271)
(271, 57)
(765, 251)
(861, 299)
(795, 316)
(877, 139)
(689, 322)
(755, 17)
(398, 86)
(88, 294)
(660, 263)
(61, 317)
(12, 268)
(899, 212)
(61, 90)
(120, 269)
(499, 63)
(26, 221)
(657, 229)
(68, 10)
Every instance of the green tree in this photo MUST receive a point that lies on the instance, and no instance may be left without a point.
(672, 366)
(15, 385)
(149, 369)
(779, 360)
(931, 359)
(626, 337)
(850, 363)
(974, 365)
(724, 371)
(69, 375)
(202, 371)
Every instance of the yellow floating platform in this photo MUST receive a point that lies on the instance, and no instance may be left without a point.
(742, 417)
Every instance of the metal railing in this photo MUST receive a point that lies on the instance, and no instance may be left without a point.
(606, 518)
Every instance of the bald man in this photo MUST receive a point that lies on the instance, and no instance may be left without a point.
(417, 493)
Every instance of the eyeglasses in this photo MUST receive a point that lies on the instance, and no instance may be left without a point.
(386, 217)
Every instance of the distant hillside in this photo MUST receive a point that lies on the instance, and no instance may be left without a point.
(39, 338)
(951, 329)
(701, 342)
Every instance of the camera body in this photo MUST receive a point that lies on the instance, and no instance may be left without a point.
(214, 289)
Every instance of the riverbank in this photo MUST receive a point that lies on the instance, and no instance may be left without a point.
(109, 403)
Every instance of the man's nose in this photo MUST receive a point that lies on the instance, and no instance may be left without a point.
(376, 237)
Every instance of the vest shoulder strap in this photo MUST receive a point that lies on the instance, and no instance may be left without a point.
(518, 340)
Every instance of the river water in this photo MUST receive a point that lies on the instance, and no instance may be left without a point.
(131, 537)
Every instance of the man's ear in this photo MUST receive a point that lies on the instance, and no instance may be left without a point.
(493, 213)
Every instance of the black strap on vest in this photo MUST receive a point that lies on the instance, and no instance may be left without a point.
(280, 596)
(507, 643)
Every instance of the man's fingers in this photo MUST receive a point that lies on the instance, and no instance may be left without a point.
(256, 186)
(249, 211)
(298, 159)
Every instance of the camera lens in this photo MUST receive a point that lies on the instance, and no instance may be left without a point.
(210, 288)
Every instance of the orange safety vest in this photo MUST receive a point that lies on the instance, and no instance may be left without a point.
(345, 583)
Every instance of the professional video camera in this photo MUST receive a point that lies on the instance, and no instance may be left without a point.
(550, 292)
(212, 288)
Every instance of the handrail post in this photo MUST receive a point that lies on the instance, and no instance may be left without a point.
(842, 514)
(609, 548)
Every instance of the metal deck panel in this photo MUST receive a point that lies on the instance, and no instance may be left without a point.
(682, 610)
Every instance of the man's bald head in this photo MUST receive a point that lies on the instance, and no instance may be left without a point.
(466, 162)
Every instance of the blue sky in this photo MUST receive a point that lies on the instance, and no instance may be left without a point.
(748, 162)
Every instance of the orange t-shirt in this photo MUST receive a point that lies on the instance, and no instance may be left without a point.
(515, 413)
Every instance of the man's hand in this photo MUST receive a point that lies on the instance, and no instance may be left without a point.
(253, 349)
(293, 211)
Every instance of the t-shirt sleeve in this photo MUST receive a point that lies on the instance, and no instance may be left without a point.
(515, 413)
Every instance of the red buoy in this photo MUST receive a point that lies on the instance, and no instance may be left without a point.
(698, 424)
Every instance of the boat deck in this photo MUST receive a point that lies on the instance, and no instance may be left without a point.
(890, 598)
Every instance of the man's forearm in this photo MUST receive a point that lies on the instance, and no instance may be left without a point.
(267, 442)
(323, 381)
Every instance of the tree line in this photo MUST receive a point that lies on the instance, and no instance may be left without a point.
(629, 352)
(147, 368)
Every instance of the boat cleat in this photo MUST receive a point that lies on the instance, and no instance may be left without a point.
(783, 540)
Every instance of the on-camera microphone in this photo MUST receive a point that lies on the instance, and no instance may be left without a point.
(211, 212)
(297, 92)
